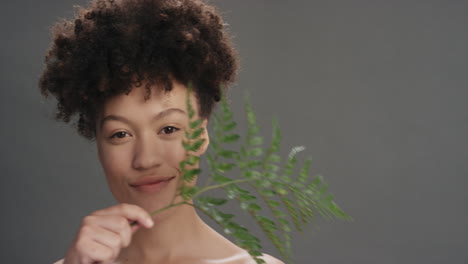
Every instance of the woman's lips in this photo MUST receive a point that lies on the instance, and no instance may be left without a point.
(152, 187)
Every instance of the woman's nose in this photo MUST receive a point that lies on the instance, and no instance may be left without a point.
(147, 153)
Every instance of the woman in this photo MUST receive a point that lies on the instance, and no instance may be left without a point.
(123, 67)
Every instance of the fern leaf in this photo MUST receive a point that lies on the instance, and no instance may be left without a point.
(288, 197)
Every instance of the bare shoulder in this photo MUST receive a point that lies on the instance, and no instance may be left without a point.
(246, 258)
(271, 260)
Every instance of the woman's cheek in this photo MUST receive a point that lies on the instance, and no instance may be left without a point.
(174, 153)
(114, 161)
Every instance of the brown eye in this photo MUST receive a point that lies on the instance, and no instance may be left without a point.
(169, 129)
(120, 134)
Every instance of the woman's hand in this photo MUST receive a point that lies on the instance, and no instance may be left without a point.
(105, 232)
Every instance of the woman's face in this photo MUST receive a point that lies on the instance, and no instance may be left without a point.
(140, 142)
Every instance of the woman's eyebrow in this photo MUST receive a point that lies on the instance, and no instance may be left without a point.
(160, 115)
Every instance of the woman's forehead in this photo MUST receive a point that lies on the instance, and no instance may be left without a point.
(158, 99)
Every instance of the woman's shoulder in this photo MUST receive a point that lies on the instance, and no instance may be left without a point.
(270, 259)
(247, 259)
(224, 251)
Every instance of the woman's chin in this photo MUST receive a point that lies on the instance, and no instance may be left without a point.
(150, 203)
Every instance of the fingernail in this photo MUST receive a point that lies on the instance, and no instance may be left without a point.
(150, 222)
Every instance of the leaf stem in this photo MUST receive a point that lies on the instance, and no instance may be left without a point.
(167, 207)
(196, 194)
(219, 186)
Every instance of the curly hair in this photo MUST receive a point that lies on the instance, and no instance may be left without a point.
(111, 46)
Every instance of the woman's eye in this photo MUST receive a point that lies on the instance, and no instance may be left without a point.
(169, 129)
(120, 134)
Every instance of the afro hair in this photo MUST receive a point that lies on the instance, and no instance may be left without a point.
(111, 46)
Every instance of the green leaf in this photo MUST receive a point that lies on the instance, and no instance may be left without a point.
(214, 146)
(220, 178)
(223, 167)
(192, 160)
(323, 189)
(271, 175)
(253, 163)
(276, 137)
(226, 116)
(282, 191)
(315, 182)
(273, 203)
(190, 174)
(251, 119)
(274, 158)
(255, 152)
(264, 183)
(230, 138)
(215, 201)
(243, 152)
(289, 166)
(267, 192)
(195, 123)
(191, 111)
(272, 167)
(255, 141)
(188, 191)
(219, 216)
(278, 213)
(252, 174)
(288, 203)
(254, 207)
(186, 145)
(196, 146)
(229, 126)
(267, 221)
(304, 174)
(247, 197)
(261, 167)
(197, 133)
(252, 130)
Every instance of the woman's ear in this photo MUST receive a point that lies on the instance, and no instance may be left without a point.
(204, 135)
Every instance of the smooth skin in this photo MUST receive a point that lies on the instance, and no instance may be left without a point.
(103, 233)
(137, 138)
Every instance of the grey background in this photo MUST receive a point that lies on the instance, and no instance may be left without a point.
(375, 90)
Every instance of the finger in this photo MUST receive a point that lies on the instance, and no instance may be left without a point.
(129, 211)
(114, 223)
(109, 239)
(134, 228)
(91, 250)
(100, 253)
